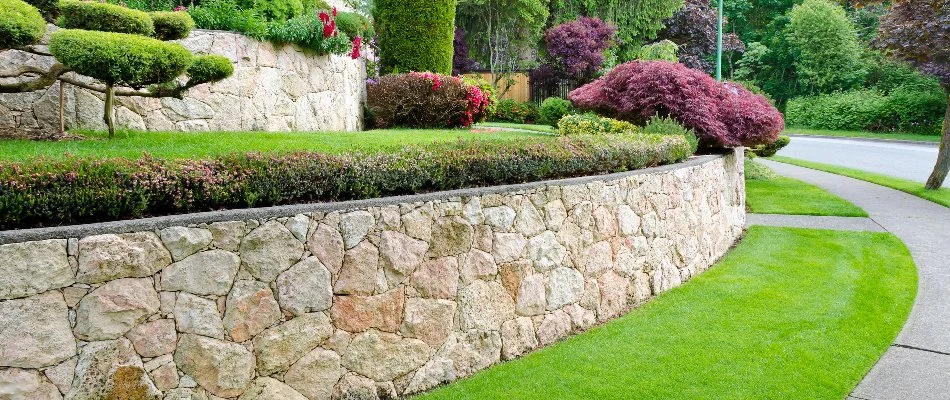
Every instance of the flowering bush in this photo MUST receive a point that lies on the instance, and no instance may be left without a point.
(577, 47)
(317, 31)
(591, 124)
(514, 111)
(425, 100)
(77, 190)
(722, 114)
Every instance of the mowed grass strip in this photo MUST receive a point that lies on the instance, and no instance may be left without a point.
(178, 145)
(788, 314)
(769, 193)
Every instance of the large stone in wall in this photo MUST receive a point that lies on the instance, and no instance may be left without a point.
(384, 356)
(155, 338)
(115, 308)
(305, 287)
(437, 278)
(279, 347)
(315, 374)
(400, 255)
(429, 320)
(35, 267)
(251, 308)
(223, 368)
(198, 315)
(22, 384)
(130, 255)
(565, 286)
(35, 332)
(111, 370)
(451, 236)
(472, 351)
(359, 313)
(182, 242)
(327, 245)
(269, 250)
(206, 273)
(485, 305)
(265, 388)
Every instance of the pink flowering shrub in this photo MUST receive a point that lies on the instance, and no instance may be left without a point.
(722, 114)
(425, 100)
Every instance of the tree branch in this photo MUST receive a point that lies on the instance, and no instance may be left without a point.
(42, 79)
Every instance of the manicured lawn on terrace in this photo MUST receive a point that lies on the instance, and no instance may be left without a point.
(526, 127)
(788, 314)
(941, 196)
(192, 145)
(862, 134)
(780, 195)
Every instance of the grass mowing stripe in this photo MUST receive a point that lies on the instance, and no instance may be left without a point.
(940, 196)
(788, 314)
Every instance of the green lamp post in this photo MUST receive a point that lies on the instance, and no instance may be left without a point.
(719, 46)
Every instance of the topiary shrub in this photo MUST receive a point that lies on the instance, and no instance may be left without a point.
(424, 100)
(118, 58)
(722, 114)
(553, 109)
(211, 68)
(354, 24)
(769, 150)
(172, 25)
(416, 35)
(104, 17)
(274, 10)
(20, 24)
(592, 124)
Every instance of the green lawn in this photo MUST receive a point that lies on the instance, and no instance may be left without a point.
(527, 127)
(768, 193)
(788, 314)
(941, 196)
(188, 145)
(862, 134)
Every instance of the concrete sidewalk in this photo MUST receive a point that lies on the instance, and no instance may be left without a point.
(917, 365)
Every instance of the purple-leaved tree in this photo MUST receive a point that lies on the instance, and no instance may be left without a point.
(577, 48)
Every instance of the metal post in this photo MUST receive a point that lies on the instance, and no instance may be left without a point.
(719, 46)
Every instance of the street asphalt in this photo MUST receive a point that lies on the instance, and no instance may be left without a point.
(898, 159)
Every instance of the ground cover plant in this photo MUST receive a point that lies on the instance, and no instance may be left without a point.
(769, 193)
(789, 313)
(80, 190)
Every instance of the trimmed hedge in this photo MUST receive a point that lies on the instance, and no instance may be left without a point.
(104, 17)
(211, 68)
(592, 124)
(172, 25)
(904, 109)
(354, 24)
(416, 35)
(77, 190)
(20, 24)
(119, 58)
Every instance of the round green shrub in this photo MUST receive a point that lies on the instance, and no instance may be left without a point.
(274, 10)
(172, 25)
(513, 111)
(104, 17)
(769, 150)
(118, 58)
(553, 109)
(593, 124)
(49, 8)
(20, 24)
(211, 68)
(416, 35)
(354, 24)
(310, 5)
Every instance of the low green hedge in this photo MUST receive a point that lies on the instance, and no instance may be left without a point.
(904, 109)
(592, 124)
(119, 58)
(104, 17)
(172, 25)
(76, 190)
(20, 24)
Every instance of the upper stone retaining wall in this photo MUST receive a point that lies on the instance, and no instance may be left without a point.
(361, 300)
(274, 88)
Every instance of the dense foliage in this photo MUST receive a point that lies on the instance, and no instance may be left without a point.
(918, 32)
(225, 15)
(902, 110)
(20, 24)
(513, 111)
(353, 25)
(769, 150)
(75, 190)
(576, 48)
(49, 8)
(553, 109)
(425, 100)
(664, 50)
(171, 25)
(210, 68)
(462, 61)
(105, 17)
(416, 35)
(722, 114)
(669, 126)
(592, 124)
(637, 21)
(273, 10)
(826, 47)
(694, 29)
(312, 31)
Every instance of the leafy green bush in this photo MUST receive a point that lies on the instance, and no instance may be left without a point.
(273, 10)
(509, 110)
(758, 172)
(80, 190)
(119, 58)
(354, 24)
(307, 31)
(318, 5)
(225, 15)
(49, 8)
(210, 68)
(172, 25)
(104, 17)
(905, 109)
(668, 126)
(20, 24)
(664, 50)
(592, 124)
(553, 109)
(416, 35)
(771, 149)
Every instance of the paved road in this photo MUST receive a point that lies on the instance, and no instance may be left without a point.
(917, 365)
(897, 159)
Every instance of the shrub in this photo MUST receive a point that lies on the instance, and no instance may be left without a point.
(769, 150)
(78, 190)
(905, 109)
(225, 15)
(308, 31)
(20, 24)
(210, 68)
(664, 50)
(104, 17)
(591, 124)
(758, 172)
(118, 58)
(577, 47)
(668, 126)
(488, 91)
(49, 8)
(827, 50)
(553, 109)
(354, 24)
(172, 25)
(509, 110)
(424, 100)
(273, 10)
(722, 114)
(416, 35)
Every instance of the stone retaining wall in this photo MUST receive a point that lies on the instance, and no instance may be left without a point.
(274, 88)
(362, 302)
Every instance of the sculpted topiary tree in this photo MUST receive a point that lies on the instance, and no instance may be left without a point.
(115, 46)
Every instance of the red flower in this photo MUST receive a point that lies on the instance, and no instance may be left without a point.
(328, 29)
(357, 42)
(334, 12)
(324, 17)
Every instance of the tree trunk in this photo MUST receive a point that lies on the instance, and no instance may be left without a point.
(108, 112)
(943, 156)
(62, 107)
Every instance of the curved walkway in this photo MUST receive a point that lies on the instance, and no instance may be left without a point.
(917, 365)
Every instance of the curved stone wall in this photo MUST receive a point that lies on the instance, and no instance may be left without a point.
(274, 88)
(370, 299)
